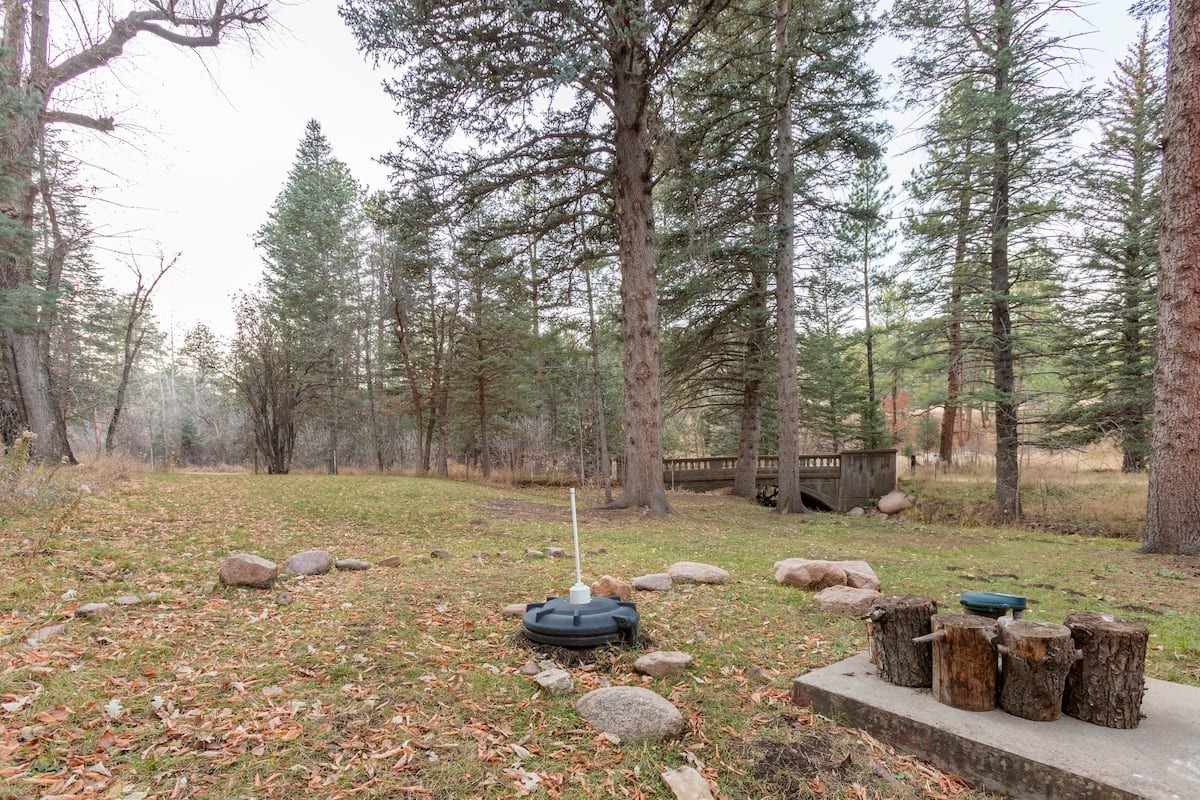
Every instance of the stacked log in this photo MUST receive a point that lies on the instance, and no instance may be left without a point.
(1035, 660)
(1106, 685)
(892, 625)
(964, 661)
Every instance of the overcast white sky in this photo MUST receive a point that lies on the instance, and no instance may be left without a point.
(207, 140)
(206, 143)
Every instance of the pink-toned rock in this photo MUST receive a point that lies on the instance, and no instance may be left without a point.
(608, 586)
(804, 573)
(514, 610)
(846, 600)
(244, 569)
(893, 502)
(390, 561)
(859, 575)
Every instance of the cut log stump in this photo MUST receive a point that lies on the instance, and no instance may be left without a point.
(892, 625)
(964, 661)
(1035, 660)
(1106, 685)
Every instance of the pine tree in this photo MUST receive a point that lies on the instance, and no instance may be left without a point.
(864, 237)
(311, 246)
(1109, 355)
(1002, 52)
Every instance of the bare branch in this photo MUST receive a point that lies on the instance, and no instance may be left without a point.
(103, 124)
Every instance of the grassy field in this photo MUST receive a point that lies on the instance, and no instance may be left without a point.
(405, 682)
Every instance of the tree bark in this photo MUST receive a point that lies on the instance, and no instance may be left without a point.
(598, 391)
(954, 344)
(745, 479)
(632, 115)
(1036, 657)
(1173, 505)
(788, 500)
(964, 661)
(1106, 685)
(893, 623)
(1008, 480)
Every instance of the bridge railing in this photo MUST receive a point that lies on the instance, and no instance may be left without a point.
(858, 476)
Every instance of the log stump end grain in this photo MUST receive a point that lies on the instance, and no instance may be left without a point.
(1105, 687)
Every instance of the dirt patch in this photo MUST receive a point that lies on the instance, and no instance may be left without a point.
(548, 512)
(605, 658)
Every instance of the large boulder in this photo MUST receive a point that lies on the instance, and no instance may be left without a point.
(309, 562)
(243, 569)
(805, 573)
(894, 502)
(631, 713)
(846, 600)
(608, 586)
(694, 572)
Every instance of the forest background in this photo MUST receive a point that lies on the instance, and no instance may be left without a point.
(468, 314)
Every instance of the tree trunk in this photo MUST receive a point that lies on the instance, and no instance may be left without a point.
(1036, 657)
(639, 294)
(788, 501)
(964, 661)
(1173, 505)
(598, 391)
(954, 344)
(1106, 685)
(892, 625)
(745, 478)
(872, 411)
(1008, 481)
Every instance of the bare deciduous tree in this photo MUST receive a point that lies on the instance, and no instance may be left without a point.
(30, 77)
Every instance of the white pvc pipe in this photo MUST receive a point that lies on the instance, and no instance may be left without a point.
(581, 593)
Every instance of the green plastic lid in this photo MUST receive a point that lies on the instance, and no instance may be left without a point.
(992, 601)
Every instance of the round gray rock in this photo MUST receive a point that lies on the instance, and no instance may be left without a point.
(694, 572)
(243, 569)
(657, 582)
(631, 713)
(555, 681)
(309, 562)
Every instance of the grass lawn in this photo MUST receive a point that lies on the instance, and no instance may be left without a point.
(405, 681)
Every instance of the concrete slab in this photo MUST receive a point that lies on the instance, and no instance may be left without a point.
(1061, 760)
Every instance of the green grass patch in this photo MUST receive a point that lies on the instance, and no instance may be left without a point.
(404, 682)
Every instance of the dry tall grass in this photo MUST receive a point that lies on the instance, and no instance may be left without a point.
(1081, 493)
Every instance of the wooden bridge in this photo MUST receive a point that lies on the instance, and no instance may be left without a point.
(830, 482)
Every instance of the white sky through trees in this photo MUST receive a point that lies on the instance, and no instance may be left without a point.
(206, 139)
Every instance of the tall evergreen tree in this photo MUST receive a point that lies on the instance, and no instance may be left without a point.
(864, 237)
(311, 246)
(1005, 54)
(1109, 358)
(543, 87)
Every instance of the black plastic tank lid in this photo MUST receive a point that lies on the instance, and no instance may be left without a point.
(603, 620)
